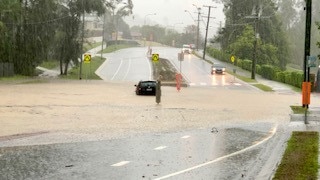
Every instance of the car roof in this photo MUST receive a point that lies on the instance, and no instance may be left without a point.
(217, 65)
(148, 81)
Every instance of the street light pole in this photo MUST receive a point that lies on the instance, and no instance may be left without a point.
(81, 59)
(198, 28)
(144, 24)
(104, 19)
(146, 17)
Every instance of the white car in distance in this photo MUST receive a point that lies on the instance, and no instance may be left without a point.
(186, 48)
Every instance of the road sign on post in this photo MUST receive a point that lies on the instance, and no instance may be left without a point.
(312, 61)
(87, 58)
(155, 57)
(232, 59)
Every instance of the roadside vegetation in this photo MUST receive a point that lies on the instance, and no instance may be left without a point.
(88, 70)
(298, 110)
(253, 82)
(300, 160)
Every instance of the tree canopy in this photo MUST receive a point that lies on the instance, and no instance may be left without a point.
(247, 20)
(32, 31)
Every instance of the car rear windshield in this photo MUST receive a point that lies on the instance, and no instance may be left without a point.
(146, 84)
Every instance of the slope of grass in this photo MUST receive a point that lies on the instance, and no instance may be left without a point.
(300, 160)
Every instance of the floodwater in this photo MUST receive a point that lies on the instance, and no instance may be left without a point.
(217, 153)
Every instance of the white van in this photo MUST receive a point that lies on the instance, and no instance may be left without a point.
(186, 48)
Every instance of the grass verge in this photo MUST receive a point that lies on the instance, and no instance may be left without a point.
(263, 87)
(300, 160)
(298, 109)
(88, 70)
(113, 48)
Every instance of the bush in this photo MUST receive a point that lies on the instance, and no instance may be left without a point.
(239, 62)
(280, 76)
(294, 78)
(247, 64)
(269, 71)
(258, 69)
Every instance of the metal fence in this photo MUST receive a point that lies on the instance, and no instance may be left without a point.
(6, 69)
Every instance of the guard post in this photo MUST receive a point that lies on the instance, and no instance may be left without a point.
(158, 90)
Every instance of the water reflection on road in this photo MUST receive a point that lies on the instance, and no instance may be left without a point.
(215, 153)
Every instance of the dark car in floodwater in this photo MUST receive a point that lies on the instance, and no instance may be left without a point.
(218, 69)
(146, 87)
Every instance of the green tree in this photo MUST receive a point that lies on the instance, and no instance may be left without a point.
(69, 32)
(263, 15)
(113, 22)
(243, 46)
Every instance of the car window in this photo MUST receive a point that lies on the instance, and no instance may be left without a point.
(146, 84)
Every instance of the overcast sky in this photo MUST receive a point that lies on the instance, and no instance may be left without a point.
(171, 14)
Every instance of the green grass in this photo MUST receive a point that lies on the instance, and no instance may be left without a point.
(300, 160)
(252, 82)
(263, 87)
(18, 79)
(113, 48)
(88, 70)
(298, 109)
(50, 64)
(88, 46)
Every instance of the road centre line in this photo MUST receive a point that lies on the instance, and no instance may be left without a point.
(272, 133)
(160, 148)
(122, 163)
(150, 69)
(117, 69)
(129, 66)
(185, 137)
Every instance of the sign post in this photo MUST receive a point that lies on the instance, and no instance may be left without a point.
(155, 57)
(178, 81)
(233, 59)
(87, 60)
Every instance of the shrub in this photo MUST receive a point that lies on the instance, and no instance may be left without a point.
(247, 64)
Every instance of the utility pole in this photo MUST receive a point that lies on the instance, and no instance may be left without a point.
(257, 17)
(254, 61)
(306, 85)
(205, 39)
(307, 40)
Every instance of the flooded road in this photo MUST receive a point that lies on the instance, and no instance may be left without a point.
(228, 152)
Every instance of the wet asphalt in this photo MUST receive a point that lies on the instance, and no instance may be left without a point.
(229, 152)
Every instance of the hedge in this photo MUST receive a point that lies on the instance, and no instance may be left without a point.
(294, 78)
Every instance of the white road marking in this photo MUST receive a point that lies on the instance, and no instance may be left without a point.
(117, 70)
(150, 69)
(160, 148)
(185, 137)
(237, 84)
(129, 66)
(203, 84)
(272, 132)
(122, 163)
(192, 84)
